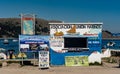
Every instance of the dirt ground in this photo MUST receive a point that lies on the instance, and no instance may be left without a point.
(104, 69)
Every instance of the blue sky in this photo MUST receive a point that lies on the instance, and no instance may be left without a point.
(106, 11)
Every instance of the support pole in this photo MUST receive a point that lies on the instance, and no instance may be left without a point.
(34, 58)
(22, 58)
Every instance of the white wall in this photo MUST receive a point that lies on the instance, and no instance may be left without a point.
(95, 57)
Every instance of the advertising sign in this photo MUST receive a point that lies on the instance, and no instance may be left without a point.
(75, 29)
(57, 44)
(33, 43)
(28, 23)
(43, 59)
(76, 61)
(28, 27)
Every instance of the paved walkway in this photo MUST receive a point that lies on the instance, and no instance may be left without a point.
(105, 69)
(110, 65)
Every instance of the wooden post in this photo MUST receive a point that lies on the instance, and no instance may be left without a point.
(22, 58)
(34, 58)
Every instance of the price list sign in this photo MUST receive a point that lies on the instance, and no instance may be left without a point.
(43, 59)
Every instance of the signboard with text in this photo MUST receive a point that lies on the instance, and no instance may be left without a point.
(75, 29)
(43, 59)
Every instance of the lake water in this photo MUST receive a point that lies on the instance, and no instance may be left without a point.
(14, 44)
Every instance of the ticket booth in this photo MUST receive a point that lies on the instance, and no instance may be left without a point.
(72, 43)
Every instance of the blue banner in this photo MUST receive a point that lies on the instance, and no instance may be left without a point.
(33, 43)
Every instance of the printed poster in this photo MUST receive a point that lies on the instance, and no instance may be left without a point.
(76, 61)
(28, 26)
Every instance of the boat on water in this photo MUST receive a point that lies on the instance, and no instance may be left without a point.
(6, 41)
(15, 40)
(2, 49)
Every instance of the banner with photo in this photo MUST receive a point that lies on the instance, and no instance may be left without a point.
(28, 43)
(76, 61)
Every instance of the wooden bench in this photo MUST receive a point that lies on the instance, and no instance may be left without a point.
(5, 61)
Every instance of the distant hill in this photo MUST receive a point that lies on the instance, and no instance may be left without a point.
(11, 27)
(116, 34)
(108, 34)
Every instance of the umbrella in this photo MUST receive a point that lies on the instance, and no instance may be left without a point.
(20, 55)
